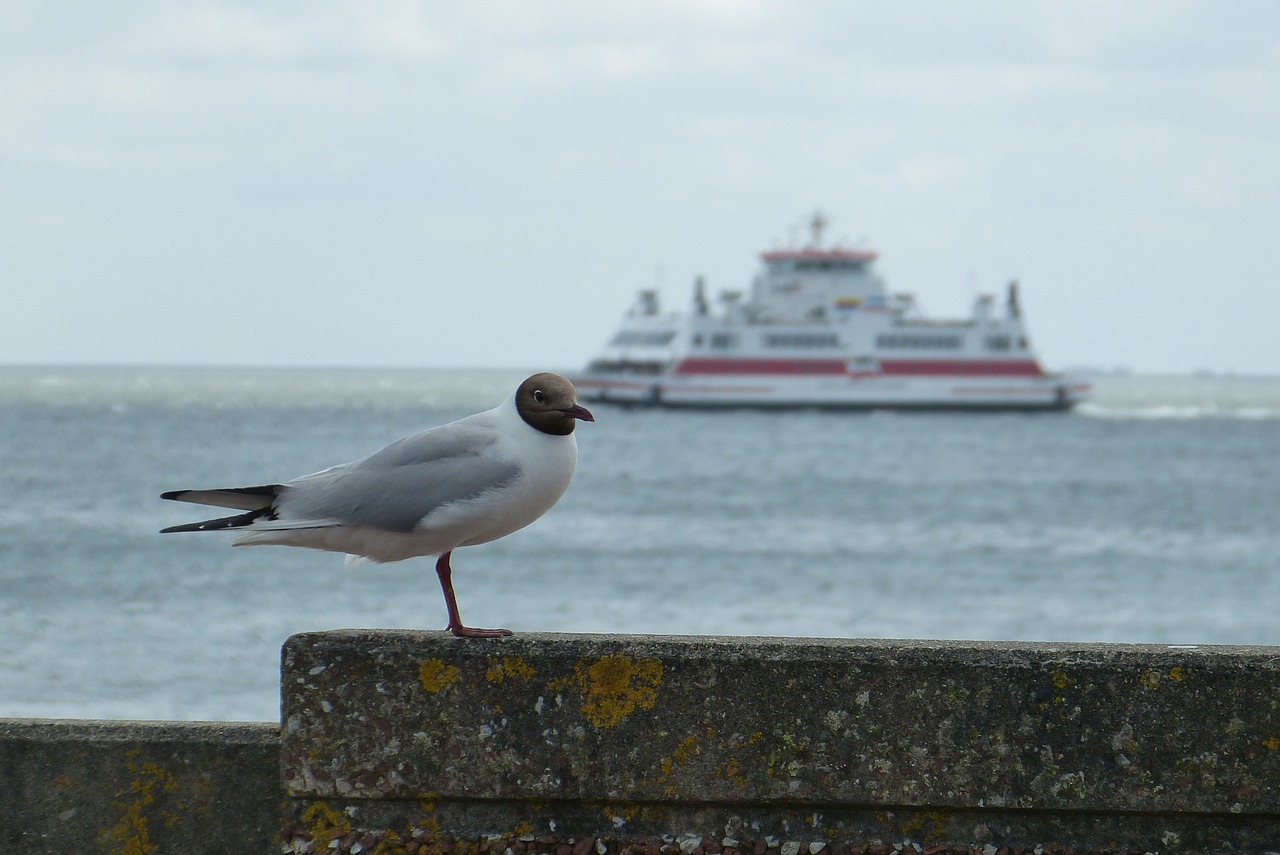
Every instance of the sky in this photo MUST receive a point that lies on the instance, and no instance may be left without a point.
(488, 184)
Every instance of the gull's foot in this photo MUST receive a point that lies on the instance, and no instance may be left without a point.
(475, 632)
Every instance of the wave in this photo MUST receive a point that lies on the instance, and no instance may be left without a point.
(1178, 413)
(1184, 397)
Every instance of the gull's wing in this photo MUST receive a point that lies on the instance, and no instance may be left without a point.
(395, 488)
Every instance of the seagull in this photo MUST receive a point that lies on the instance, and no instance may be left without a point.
(460, 484)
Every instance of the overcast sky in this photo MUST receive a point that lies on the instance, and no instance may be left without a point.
(488, 184)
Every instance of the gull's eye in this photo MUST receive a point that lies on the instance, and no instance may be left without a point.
(538, 396)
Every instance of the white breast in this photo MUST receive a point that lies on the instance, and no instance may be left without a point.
(547, 464)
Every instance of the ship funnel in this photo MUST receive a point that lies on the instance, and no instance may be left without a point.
(646, 304)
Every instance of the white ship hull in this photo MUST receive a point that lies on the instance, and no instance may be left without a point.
(762, 391)
(819, 330)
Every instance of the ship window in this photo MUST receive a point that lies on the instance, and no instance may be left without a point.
(801, 340)
(920, 341)
(649, 338)
(723, 341)
(829, 264)
(999, 342)
(625, 366)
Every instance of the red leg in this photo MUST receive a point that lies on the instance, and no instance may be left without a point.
(445, 572)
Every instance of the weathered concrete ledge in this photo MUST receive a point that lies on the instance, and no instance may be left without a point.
(419, 742)
(407, 743)
(138, 787)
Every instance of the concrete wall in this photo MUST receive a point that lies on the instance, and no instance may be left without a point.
(422, 744)
(756, 745)
(137, 788)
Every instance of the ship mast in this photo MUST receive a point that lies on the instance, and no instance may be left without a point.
(818, 225)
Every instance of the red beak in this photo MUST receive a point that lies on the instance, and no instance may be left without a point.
(579, 412)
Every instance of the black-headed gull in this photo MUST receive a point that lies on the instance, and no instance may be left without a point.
(467, 482)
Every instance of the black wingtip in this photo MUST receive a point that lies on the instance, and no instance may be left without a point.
(207, 525)
(237, 521)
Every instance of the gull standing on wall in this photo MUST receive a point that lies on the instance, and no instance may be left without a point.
(460, 484)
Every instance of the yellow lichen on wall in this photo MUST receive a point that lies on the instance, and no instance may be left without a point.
(682, 756)
(428, 821)
(614, 687)
(685, 751)
(435, 675)
(508, 667)
(390, 844)
(620, 813)
(732, 770)
(929, 826)
(132, 834)
(323, 821)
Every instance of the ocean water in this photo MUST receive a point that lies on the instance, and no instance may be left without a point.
(1149, 515)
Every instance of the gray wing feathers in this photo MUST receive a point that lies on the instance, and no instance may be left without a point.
(240, 498)
(459, 442)
(396, 487)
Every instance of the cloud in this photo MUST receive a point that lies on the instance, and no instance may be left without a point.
(568, 150)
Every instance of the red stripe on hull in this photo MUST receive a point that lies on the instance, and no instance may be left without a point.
(837, 367)
(962, 368)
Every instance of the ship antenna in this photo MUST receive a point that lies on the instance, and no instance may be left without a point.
(818, 225)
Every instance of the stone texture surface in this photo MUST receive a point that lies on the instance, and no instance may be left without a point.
(500, 827)
(139, 787)
(406, 743)
(832, 722)
(418, 742)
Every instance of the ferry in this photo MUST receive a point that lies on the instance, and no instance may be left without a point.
(819, 329)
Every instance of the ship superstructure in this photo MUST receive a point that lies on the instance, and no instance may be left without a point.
(819, 328)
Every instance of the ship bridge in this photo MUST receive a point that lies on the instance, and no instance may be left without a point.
(812, 285)
(811, 260)
(815, 284)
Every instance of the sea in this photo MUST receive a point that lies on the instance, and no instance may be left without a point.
(1149, 514)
